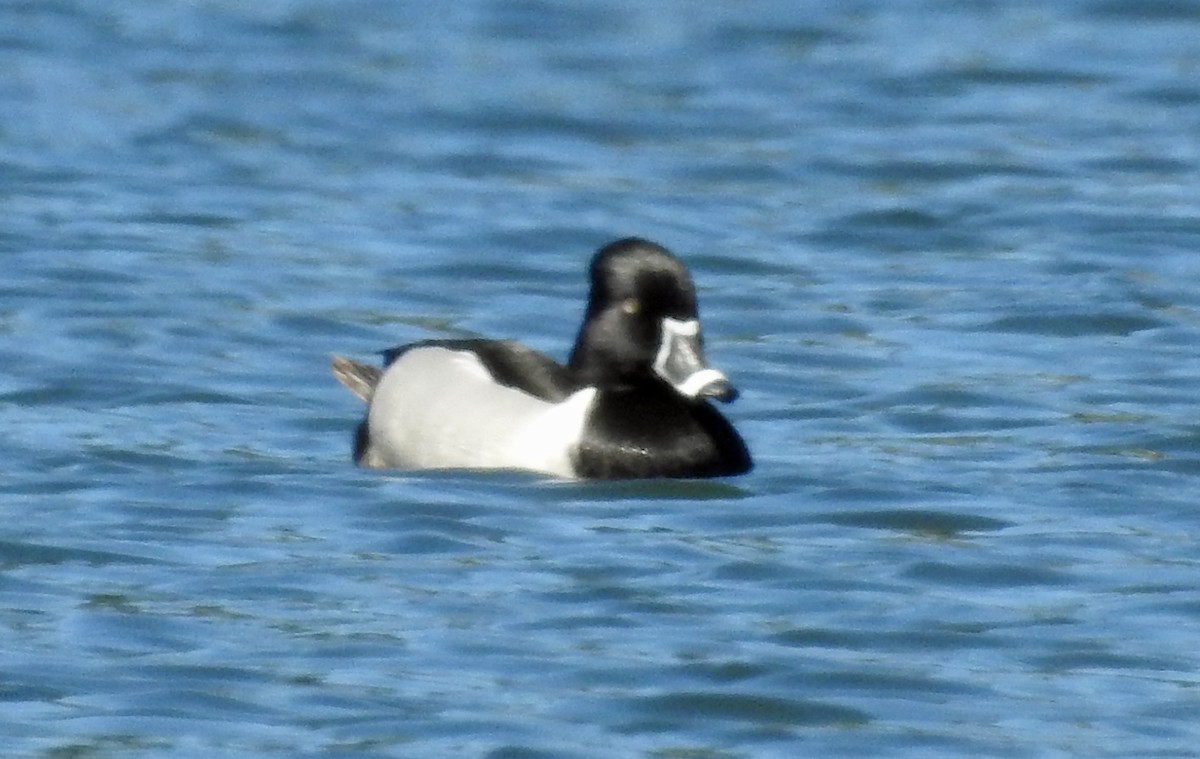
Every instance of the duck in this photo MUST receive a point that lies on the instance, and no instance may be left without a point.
(633, 400)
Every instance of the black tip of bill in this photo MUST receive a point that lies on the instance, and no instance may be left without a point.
(719, 389)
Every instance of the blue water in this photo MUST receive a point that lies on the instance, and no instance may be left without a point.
(947, 250)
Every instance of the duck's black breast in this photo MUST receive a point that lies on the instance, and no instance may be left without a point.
(510, 363)
(645, 432)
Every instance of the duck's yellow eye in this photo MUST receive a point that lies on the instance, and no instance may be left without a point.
(631, 306)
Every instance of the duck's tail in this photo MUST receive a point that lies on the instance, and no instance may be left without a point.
(359, 379)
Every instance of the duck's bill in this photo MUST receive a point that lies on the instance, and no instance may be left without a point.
(680, 361)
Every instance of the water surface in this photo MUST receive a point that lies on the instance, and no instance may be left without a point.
(946, 250)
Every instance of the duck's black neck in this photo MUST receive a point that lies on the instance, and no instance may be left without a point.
(597, 362)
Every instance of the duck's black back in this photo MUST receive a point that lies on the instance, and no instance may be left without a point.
(510, 364)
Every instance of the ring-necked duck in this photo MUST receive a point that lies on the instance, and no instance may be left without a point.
(631, 401)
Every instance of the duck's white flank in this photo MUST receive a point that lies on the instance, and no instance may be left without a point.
(439, 408)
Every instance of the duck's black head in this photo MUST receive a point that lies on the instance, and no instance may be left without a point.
(641, 323)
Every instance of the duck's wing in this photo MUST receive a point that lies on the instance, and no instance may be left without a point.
(359, 379)
(510, 364)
